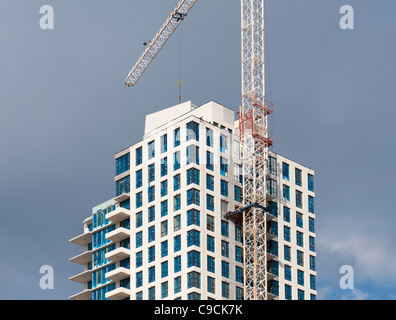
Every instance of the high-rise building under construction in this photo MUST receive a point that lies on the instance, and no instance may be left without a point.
(171, 231)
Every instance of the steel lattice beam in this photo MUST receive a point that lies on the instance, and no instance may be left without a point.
(254, 146)
(155, 45)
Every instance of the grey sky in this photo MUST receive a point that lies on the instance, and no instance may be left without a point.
(64, 112)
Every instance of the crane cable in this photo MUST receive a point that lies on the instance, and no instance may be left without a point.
(179, 54)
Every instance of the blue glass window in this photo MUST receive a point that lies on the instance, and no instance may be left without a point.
(209, 160)
(193, 259)
(164, 249)
(285, 171)
(176, 182)
(210, 182)
(176, 136)
(192, 176)
(193, 280)
(299, 220)
(301, 294)
(288, 273)
(177, 284)
(123, 186)
(238, 254)
(298, 177)
(139, 156)
(176, 161)
(139, 259)
(164, 188)
(225, 269)
(164, 208)
(164, 290)
(152, 293)
(298, 199)
(139, 200)
(286, 214)
(193, 217)
(239, 293)
(139, 179)
(139, 239)
(224, 228)
(164, 143)
(311, 225)
(192, 154)
(151, 150)
(209, 137)
(151, 194)
(211, 285)
(300, 239)
(192, 131)
(177, 264)
(312, 265)
(139, 279)
(288, 292)
(164, 269)
(151, 215)
(311, 204)
(224, 188)
(312, 279)
(151, 234)
(238, 233)
(211, 264)
(286, 253)
(238, 194)
(177, 202)
(223, 166)
(210, 243)
(151, 254)
(193, 197)
(164, 166)
(139, 295)
(151, 172)
(300, 258)
(286, 233)
(300, 277)
(177, 244)
(209, 202)
(286, 193)
(123, 164)
(223, 143)
(272, 247)
(225, 249)
(193, 238)
(310, 182)
(225, 290)
(238, 274)
(151, 273)
(312, 244)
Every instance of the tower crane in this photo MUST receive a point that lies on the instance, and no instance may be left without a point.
(254, 136)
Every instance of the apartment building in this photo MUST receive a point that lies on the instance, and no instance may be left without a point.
(164, 234)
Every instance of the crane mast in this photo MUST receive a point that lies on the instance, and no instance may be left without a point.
(255, 140)
(254, 136)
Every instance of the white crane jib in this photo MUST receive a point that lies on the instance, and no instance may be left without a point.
(155, 45)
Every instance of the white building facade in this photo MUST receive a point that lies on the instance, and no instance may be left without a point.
(164, 235)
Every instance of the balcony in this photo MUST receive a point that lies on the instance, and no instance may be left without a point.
(118, 254)
(84, 295)
(82, 258)
(82, 239)
(118, 294)
(122, 197)
(118, 234)
(118, 274)
(82, 277)
(119, 214)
